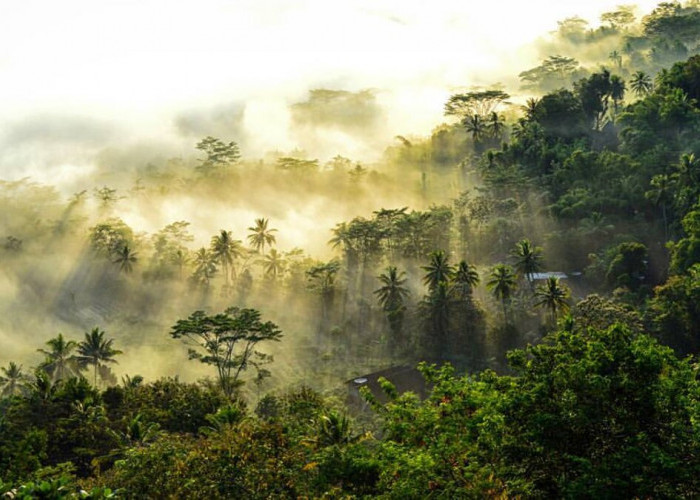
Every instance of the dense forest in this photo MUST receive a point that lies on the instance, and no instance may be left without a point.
(536, 259)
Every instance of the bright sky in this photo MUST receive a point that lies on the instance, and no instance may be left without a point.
(136, 62)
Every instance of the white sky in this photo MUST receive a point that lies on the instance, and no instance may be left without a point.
(135, 62)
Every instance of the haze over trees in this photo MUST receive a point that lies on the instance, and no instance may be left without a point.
(537, 256)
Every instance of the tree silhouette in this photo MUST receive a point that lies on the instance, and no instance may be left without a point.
(95, 350)
(437, 271)
(12, 380)
(496, 125)
(205, 267)
(528, 259)
(617, 92)
(476, 126)
(321, 280)
(227, 341)
(273, 264)
(660, 194)
(391, 296)
(225, 250)
(502, 285)
(641, 84)
(60, 361)
(552, 296)
(125, 257)
(218, 154)
(261, 235)
(464, 280)
(616, 58)
(180, 258)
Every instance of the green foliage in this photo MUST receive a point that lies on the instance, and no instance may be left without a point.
(555, 72)
(218, 154)
(227, 341)
(95, 350)
(628, 265)
(175, 406)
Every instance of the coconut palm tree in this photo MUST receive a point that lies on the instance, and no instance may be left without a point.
(225, 250)
(496, 125)
(125, 258)
(476, 126)
(616, 58)
(641, 84)
(12, 380)
(552, 296)
(180, 258)
(437, 271)
(528, 259)
(95, 350)
(530, 108)
(502, 284)
(261, 235)
(660, 194)
(205, 267)
(392, 293)
(617, 93)
(464, 280)
(273, 264)
(60, 361)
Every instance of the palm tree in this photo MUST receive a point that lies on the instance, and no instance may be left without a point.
(225, 249)
(552, 296)
(261, 235)
(180, 258)
(496, 124)
(502, 285)
(641, 84)
(205, 266)
(530, 108)
(437, 271)
(617, 92)
(660, 194)
(125, 258)
(616, 58)
(60, 362)
(476, 126)
(12, 380)
(528, 259)
(273, 264)
(333, 429)
(464, 280)
(392, 293)
(96, 351)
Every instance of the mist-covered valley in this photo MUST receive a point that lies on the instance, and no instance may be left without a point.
(239, 289)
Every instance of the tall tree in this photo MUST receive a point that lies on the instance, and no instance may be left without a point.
(95, 350)
(552, 296)
(528, 259)
(437, 271)
(60, 361)
(218, 154)
(660, 194)
(641, 84)
(261, 235)
(502, 284)
(464, 280)
(205, 267)
(227, 341)
(273, 264)
(391, 296)
(476, 126)
(125, 258)
(225, 250)
(12, 380)
(617, 93)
